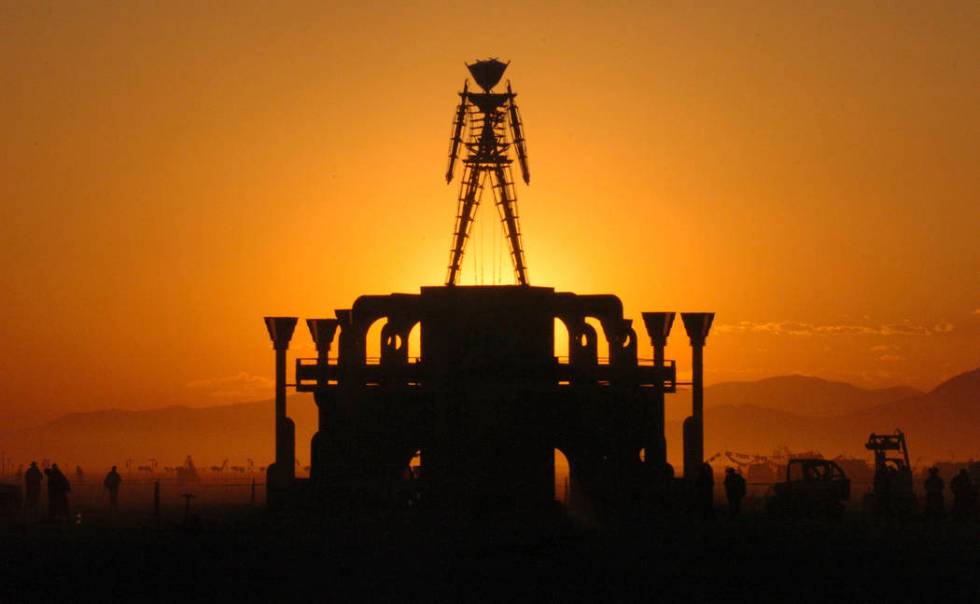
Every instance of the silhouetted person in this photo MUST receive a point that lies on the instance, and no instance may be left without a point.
(111, 483)
(734, 491)
(883, 482)
(32, 487)
(935, 504)
(964, 496)
(79, 473)
(704, 489)
(58, 487)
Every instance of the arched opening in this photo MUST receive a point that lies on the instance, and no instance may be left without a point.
(415, 343)
(602, 344)
(561, 341)
(562, 477)
(629, 341)
(372, 344)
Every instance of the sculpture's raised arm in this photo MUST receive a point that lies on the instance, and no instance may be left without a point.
(458, 122)
(517, 132)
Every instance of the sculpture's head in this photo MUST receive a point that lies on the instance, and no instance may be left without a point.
(487, 73)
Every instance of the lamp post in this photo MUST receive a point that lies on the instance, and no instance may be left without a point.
(697, 325)
(658, 326)
(281, 473)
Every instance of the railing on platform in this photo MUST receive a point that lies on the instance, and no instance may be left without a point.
(310, 372)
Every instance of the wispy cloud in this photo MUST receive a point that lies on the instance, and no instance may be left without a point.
(242, 385)
(795, 328)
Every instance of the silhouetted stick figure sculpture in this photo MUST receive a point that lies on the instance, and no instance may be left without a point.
(489, 115)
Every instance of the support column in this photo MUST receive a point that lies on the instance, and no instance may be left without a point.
(281, 474)
(658, 326)
(697, 325)
(322, 331)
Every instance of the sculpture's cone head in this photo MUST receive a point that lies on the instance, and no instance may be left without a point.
(487, 73)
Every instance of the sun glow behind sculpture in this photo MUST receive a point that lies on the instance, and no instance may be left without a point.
(180, 170)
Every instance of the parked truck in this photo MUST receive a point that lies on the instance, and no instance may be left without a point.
(813, 488)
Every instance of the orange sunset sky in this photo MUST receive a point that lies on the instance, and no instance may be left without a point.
(171, 172)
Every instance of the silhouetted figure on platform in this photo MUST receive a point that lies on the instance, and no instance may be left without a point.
(58, 488)
(964, 495)
(704, 489)
(79, 473)
(111, 483)
(935, 503)
(734, 491)
(883, 482)
(32, 487)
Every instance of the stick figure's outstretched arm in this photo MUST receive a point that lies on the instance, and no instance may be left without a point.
(456, 140)
(517, 133)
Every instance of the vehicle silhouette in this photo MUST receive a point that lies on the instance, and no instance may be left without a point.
(813, 487)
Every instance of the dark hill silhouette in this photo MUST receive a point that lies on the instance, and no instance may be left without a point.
(945, 421)
(964, 386)
(941, 424)
(749, 417)
(210, 434)
(797, 394)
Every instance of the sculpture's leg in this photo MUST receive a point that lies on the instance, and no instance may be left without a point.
(469, 200)
(507, 206)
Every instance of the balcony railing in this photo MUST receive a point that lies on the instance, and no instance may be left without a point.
(312, 374)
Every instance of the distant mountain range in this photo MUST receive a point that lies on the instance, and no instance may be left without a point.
(210, 434)
(805, 413)
(803, 395)
(802, 413)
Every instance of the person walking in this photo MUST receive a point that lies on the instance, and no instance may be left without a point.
(111, 483)
(58, 488)
(734, 491)
(964, 496)
(935, 503)
(32, 487)
(704, 487)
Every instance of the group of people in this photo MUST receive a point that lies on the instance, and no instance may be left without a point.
(964, 495)
(58, 488)
(965, 499)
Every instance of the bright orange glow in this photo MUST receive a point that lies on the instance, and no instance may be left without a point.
(171, 173)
